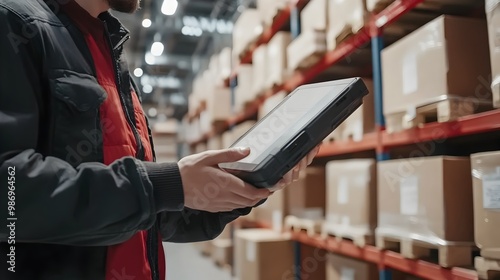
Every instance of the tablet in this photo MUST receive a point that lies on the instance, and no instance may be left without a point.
(293, 128)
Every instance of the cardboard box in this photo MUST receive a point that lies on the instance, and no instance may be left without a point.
(273, 211)
(215, 143)
(362, 121)
(277, 66)
(351, 195)
(270, 103)
(306, 197)
(306, 49)
(222, 252)
(486, 181)
(244, 91)
(493, 17)
(247, 28)
(201, 147)
(205, 247)
(345, 17)
(436, 61)
(259, 62)
(269, 9)
(427, 199)
(312, 263)
(218, 104)
(342, 268)
(262, 254)
(314, 16)
(225, 63)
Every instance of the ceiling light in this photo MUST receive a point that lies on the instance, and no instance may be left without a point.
(146, 23)
(147, 89)
(157, 48)
(138, 72)
(152, 112)
(169, 7)
(150, 59)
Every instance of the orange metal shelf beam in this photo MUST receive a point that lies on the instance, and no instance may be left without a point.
(369, 142)
(385, 258)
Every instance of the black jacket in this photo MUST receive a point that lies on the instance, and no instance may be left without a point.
(69, 206)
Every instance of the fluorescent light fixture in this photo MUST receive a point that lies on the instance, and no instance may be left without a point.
(147, 89)
(138, 72)
(157, 48)
(146, 23)
(169, 7)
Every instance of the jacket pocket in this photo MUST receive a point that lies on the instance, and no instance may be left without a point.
(77, 135)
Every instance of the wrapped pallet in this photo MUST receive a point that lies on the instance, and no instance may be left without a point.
(277, 68)
(493, 17)
(345, 17)
(247, 29)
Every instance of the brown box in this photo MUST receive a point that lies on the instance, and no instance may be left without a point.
(260, 71)
(362, 121)
(222, 252)
(218, 104)
(306, 197)
(273, 211)
(493, 17)
(262, 254)
(486, 180)
(277, 68)
(306, 49)
(427, 199)
(312, 263)
(342, 268)
(351, 195)
(244, 91)
(314, 16)
(436, 61)
(344, 18)
(246, 30)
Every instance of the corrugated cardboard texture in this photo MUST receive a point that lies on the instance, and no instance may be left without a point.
(437, 198)
(486, 166)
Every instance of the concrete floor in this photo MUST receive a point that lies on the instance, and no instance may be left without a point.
(184, 262)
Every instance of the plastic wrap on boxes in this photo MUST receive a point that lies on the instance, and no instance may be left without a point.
(345, 17)
(260, 73)
(493, 17)
(314, 16)
(244, 91)
(277, 65)
(247, 29)
(426, 199)
(305, 50)
(351, 196)
(435, 60)
(270, 103)
(486, 180)
(270, 8)
(262, 254)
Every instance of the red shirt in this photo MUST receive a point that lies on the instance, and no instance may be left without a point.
(128, 259)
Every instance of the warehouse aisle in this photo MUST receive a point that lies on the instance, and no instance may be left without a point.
(184, 262)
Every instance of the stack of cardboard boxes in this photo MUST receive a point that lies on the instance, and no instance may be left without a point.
(493, 17)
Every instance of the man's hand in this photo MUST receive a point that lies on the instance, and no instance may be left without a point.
(208, 188)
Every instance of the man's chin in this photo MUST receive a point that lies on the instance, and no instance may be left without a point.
(124, 6)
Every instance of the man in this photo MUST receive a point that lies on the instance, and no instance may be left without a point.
(80, 191)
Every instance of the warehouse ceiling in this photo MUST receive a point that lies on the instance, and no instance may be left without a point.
(195, 30)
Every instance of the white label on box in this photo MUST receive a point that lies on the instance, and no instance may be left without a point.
(343, 190)
(251, 251)
(491, 193)
(277, 220)
(347, 273)
(409, 195)
(410, 73)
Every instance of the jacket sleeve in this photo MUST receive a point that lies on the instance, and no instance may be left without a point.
(51, 201)
(193, 225)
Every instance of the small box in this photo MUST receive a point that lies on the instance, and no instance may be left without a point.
(306, 50)
(273, 211)
(260, 73)
(343, 268)
(435, 61)
(269, 9)
(222, 251)
(225, 63)
(486, 180)
(493, 17)
(270, 103)
(244, 91)
(306, 197)
(427, 199)
(345, 17)
(314, 16)
(351, 196)
(218, 104)
(362, 121)
(262, 254)
(313, 263)
(247, 28)
(277, 66)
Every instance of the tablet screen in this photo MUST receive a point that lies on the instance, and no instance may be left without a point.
(286, 120)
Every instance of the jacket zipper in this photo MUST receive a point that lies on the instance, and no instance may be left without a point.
(152, 239)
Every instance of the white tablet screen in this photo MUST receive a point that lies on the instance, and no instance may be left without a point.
(289, 117)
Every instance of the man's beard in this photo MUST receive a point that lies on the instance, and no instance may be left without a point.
(124, 6)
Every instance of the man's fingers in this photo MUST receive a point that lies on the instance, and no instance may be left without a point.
(227, 155)
(312, 154)
(295, 175)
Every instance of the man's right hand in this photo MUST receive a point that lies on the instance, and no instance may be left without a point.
(208, 188)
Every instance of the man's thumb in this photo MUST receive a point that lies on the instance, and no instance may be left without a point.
(228, 155)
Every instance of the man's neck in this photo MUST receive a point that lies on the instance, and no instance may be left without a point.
(94, 7)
